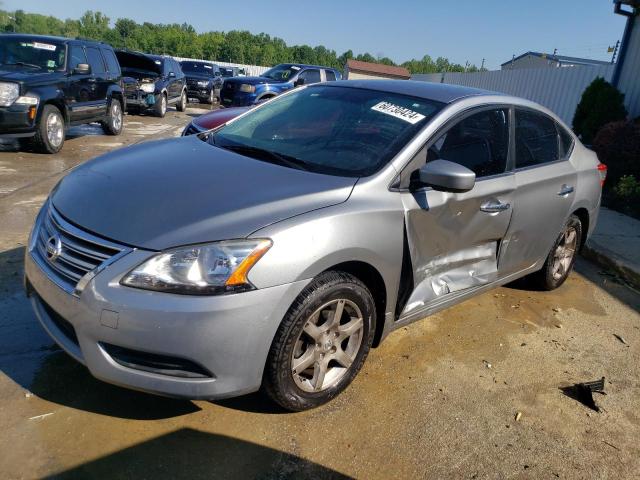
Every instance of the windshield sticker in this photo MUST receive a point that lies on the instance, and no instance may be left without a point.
(208, 66)
(44, 46)
(51, 64)
(399, 112)
(158, 62)
(293, 67)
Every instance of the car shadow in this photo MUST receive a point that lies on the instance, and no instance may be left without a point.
(193, 454)
(256, 402)
(79, 131)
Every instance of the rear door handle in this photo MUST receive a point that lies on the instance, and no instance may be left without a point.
(565, 190)
(495, 206)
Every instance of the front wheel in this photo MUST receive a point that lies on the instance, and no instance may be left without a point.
(160, 107)
(50, 131)
(322, 342)
(181, 106)
(561, 258)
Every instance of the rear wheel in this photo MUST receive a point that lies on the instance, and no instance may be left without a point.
(160, 107)
(181, 106)
(50, 131)
(322, 342)
(114, 122)
(561, 258)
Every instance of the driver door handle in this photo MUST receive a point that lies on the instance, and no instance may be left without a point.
(565, 190)
(495, 206)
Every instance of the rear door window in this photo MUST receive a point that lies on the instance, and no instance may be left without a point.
(331, 76)
(537, 140)
(95, 60)
(479, 142)
(112, 63)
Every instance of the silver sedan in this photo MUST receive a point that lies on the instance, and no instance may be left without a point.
(278, 248)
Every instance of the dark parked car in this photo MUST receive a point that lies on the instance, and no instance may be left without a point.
(228, 72)
(212, 120)
(204, 80)
(152, 82)
(50, 83)
(250, 90)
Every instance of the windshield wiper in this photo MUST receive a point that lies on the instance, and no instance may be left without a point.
(274, 157)
(24, 64)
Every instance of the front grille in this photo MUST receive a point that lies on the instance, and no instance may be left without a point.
(229, 86)
(67, 252)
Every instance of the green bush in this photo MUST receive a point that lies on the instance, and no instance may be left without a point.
(628, 188)
(618, 147)
(624, 196)
(600, 104)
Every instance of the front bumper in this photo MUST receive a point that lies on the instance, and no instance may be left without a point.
(15, 122)
(229, 336)
(141, 99)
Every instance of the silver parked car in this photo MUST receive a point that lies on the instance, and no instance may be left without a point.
(276, 252)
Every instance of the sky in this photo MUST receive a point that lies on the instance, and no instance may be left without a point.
(462, 30)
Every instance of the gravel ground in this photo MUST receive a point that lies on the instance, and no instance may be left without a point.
(473, 392)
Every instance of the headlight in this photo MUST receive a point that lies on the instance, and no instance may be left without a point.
(211, 269)
(246, 88)
(148, 87)
(27, 100)
(203, 83)
(9, 93)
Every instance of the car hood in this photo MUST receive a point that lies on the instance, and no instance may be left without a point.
(28, 76)
(252, 80)
(183, 191)
(218, 117)
(137, 61)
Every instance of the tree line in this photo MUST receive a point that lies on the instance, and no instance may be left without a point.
(182, 40)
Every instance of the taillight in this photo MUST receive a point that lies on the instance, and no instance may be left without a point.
(602, 170)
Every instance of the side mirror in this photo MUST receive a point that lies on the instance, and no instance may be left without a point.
(447, 176)
(82, 69)
(299, 82)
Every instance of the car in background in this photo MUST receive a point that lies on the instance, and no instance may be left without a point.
(245, 91)
(212, 120)
(228, 72)
(152, 82)
(302, 233)
(48, 84)
(204, 80)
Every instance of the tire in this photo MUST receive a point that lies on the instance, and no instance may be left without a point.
(310, 337)
(561, 258)
(114, 123)
(160, 107)
(50, 131)
(181, 106)
(212, 98)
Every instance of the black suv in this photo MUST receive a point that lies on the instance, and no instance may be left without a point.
(50, 83)
(204, 80)
(152, 82)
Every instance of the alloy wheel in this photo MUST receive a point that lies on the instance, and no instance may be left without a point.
(116, 115)
(55, 129)
(565, 251)
(327, 346)
(163, 104)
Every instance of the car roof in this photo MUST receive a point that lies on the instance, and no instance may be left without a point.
(440, 92)
(53, 38)
(305, 65)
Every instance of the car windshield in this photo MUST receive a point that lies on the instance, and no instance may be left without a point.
(334, 130)
(31, 53)
(197, 67)
(281, 72)
(226, 72)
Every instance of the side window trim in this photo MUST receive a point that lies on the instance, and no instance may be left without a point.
(401, 182)
(557, 126)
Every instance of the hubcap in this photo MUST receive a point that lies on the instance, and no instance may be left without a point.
(327, 346)
(563, 256)
(55, 129)
(163, 104)
(116, 115)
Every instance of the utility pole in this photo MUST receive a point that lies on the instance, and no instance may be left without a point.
(555, 51)
(482, 66)
(615, 52)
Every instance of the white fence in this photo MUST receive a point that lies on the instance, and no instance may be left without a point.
(558, 89)
(250, 70)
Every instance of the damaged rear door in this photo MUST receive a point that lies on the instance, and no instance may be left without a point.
(454, 238)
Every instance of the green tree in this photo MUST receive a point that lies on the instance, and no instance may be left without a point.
(600, 104)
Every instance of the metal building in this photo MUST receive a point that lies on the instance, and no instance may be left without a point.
(627, 74)
(358, 70)
(547, 60)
